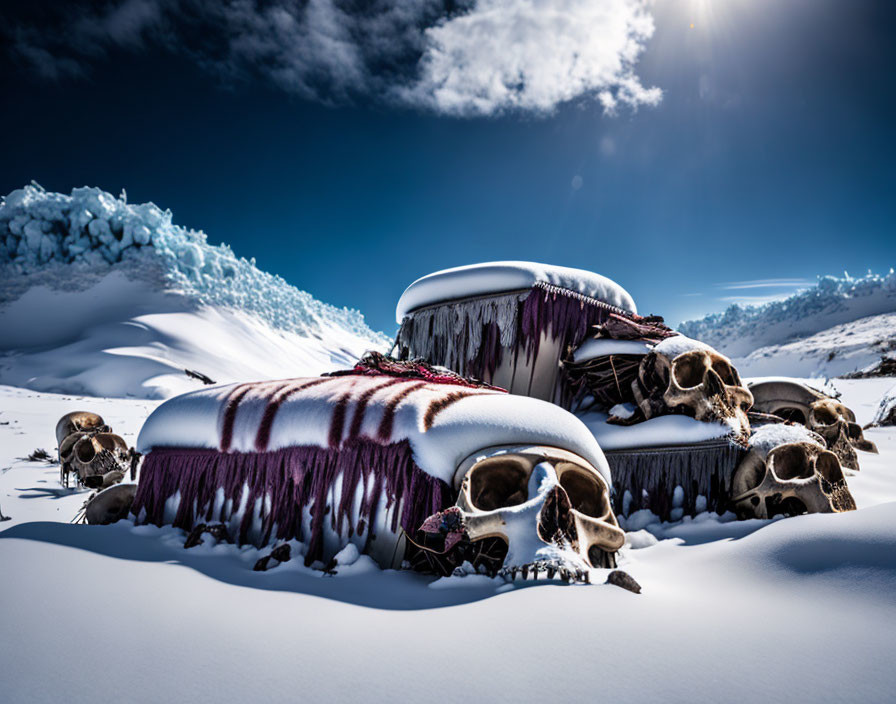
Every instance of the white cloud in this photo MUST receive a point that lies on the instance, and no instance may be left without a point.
(533, 55)
(466, 57)
(765, 283)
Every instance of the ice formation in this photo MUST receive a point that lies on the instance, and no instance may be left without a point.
(832, 301)
(91, 232)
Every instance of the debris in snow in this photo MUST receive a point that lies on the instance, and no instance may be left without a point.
(218, 531)
(4, 518)
(618, 578)
(39, 455)
(281, 553)
(193, 374)
(885, 367)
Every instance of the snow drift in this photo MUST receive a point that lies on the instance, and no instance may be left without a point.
(101, 297)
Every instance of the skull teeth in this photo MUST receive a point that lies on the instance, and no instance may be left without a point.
(545, 571)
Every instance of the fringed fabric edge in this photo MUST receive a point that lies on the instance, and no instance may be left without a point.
(472, 336)
(272, 489)
(650, 476)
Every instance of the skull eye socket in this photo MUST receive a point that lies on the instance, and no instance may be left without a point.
(825, 416)
(689, 371)
(499, 482)
(726, 372)
(828, 466)
(586, 494)
(85, 451)
(792, 414)
(790, 462)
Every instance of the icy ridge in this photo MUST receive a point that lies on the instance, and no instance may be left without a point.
(832, 301)
(92, 231)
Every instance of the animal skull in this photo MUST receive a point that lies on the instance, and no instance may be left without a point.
(550, 507)
(100, 459)
(698, 382)
(71, 428)
(837, 425)
(794, 478)
(798, 402)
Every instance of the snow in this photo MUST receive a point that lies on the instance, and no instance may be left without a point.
(601, 347)
(123, 314)
(502, 277)
(656, 432)
(830, 352)
(473, 423)
(787, 609)
(831, 302)
(768, 437)
(676, 345)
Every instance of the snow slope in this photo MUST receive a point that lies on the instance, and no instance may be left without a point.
(105, 298)
(794, 609)
(831, 302)
(830, 352)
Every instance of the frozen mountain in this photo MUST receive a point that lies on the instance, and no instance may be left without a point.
(101, 297)
(831, 302)
(835, 327)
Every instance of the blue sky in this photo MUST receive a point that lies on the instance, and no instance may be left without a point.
(700, 152)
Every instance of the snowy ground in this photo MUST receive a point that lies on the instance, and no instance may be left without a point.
(791, 609)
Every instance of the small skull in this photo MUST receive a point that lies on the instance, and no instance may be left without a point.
(793, 478)
(683, 376)
(100, 459)
(550, 507)
(71, 428)
(837, 425)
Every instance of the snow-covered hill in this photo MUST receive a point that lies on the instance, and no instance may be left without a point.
(828, 353)
(827, 306)
(105, 298)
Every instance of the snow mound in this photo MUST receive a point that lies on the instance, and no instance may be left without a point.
(100, 297)
(832, 301)
(768, 437)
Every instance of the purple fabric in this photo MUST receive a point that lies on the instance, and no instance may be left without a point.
(563, 315)
(293, 479)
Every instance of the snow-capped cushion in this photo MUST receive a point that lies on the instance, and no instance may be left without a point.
(443, 423)
(499, 277)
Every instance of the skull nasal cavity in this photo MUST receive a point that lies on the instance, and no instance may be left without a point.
(689, 371)
(498, 483)
(828, 466)
(585, 494)
(555, 522)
